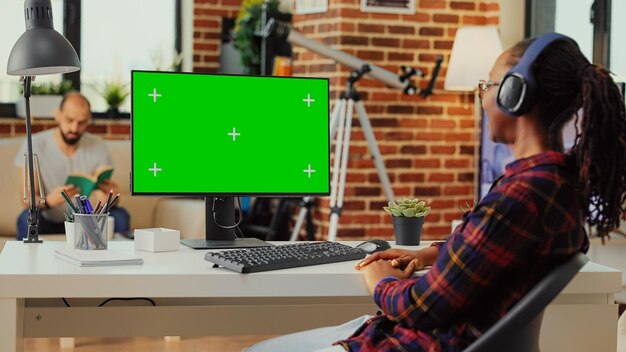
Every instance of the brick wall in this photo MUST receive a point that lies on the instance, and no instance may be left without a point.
(428, 145)
(107, 129)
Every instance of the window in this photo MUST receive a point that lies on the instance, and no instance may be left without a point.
(12, 19)
(586, 21)
(112, 38)
(572, 18)
(122, 35)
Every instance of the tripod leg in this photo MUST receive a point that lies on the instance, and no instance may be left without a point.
(371, 142)
(334, 117)
(332, 230)
(343, 153)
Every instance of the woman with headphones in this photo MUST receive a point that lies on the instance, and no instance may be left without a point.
(531, 221)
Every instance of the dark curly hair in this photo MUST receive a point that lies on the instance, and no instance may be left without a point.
(571, 87)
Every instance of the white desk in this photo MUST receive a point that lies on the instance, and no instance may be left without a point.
(194, 299)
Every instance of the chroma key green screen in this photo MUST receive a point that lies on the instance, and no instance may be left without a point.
(211, 134)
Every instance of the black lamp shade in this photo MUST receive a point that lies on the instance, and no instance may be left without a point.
(41, 50)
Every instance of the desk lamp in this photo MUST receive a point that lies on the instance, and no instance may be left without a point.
(474, 52)
(39, 51)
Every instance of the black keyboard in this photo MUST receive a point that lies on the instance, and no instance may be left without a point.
(251, 260)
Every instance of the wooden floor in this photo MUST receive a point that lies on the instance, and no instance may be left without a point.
(145, 344)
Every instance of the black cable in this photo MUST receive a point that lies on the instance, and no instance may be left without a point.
(67, 304)
(127, 299)
(227, 226)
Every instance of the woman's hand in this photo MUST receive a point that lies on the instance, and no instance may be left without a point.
(399, 258)
(383, 268)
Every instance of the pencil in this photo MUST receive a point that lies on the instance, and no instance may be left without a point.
(69, 202)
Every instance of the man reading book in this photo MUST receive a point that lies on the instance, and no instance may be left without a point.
(65, 150)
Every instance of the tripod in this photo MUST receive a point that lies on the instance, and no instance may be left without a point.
(340, 127)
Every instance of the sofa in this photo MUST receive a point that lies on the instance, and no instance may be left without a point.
(184, 214)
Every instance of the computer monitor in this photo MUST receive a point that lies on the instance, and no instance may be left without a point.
(224, 136)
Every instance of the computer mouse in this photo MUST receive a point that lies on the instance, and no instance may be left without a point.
(372, 246)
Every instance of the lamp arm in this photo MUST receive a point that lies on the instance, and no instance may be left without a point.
(33, 219)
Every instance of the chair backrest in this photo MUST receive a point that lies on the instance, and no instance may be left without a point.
(518, 330)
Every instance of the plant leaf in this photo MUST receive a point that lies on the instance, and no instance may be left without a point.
(409, 213)
(395, 212)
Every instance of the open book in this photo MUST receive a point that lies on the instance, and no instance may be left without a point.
(87, 183)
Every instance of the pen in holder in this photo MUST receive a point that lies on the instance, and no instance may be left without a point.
(90, 231)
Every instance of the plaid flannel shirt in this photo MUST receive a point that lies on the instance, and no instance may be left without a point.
(526, 225)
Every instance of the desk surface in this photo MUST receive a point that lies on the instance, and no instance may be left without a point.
(31, 270)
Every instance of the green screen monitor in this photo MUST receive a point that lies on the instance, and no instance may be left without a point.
(223, 136)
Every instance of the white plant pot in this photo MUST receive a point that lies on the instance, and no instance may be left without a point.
(41, 106)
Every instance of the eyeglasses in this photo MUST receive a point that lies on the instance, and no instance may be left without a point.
(483, 87)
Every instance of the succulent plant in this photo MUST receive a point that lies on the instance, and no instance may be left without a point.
(408, 208)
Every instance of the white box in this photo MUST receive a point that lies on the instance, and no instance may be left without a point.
(157, 239)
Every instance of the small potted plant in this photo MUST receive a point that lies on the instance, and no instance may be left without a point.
(114, 93)
(408, 218)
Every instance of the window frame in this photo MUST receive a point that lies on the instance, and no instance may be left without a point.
(72, 31)
(600, 16)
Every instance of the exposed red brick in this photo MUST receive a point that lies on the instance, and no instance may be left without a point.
(441, 18)
(413, 149)
(481, 20)
(370, 55)
(426, 163)
(443, 44)
(429, 110)
(400, 109)
(412, 177)
(415, 44)
(432, 4)
(386, 42)
(457, 190)
(458, 137)
(367, 191)
(467, 150)
(371, 28)
(93, 129)
(120, 129)
(397, 163)
(428, 136)
(402, 30)
(443, 149)
(398, 136)
(466, 177)
(457, 163)
(413, 122)
(441, 177)
(431, 31)
(405, 57)
(353, 40)
(443, 123)
(424, 191)
(462, 5)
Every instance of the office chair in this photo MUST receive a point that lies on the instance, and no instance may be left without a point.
(518, 330)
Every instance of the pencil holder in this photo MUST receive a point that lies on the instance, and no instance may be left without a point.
(90, 231)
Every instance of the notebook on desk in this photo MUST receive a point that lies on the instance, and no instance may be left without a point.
(97, 258)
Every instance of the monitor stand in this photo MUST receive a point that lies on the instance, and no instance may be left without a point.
(222, 237)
